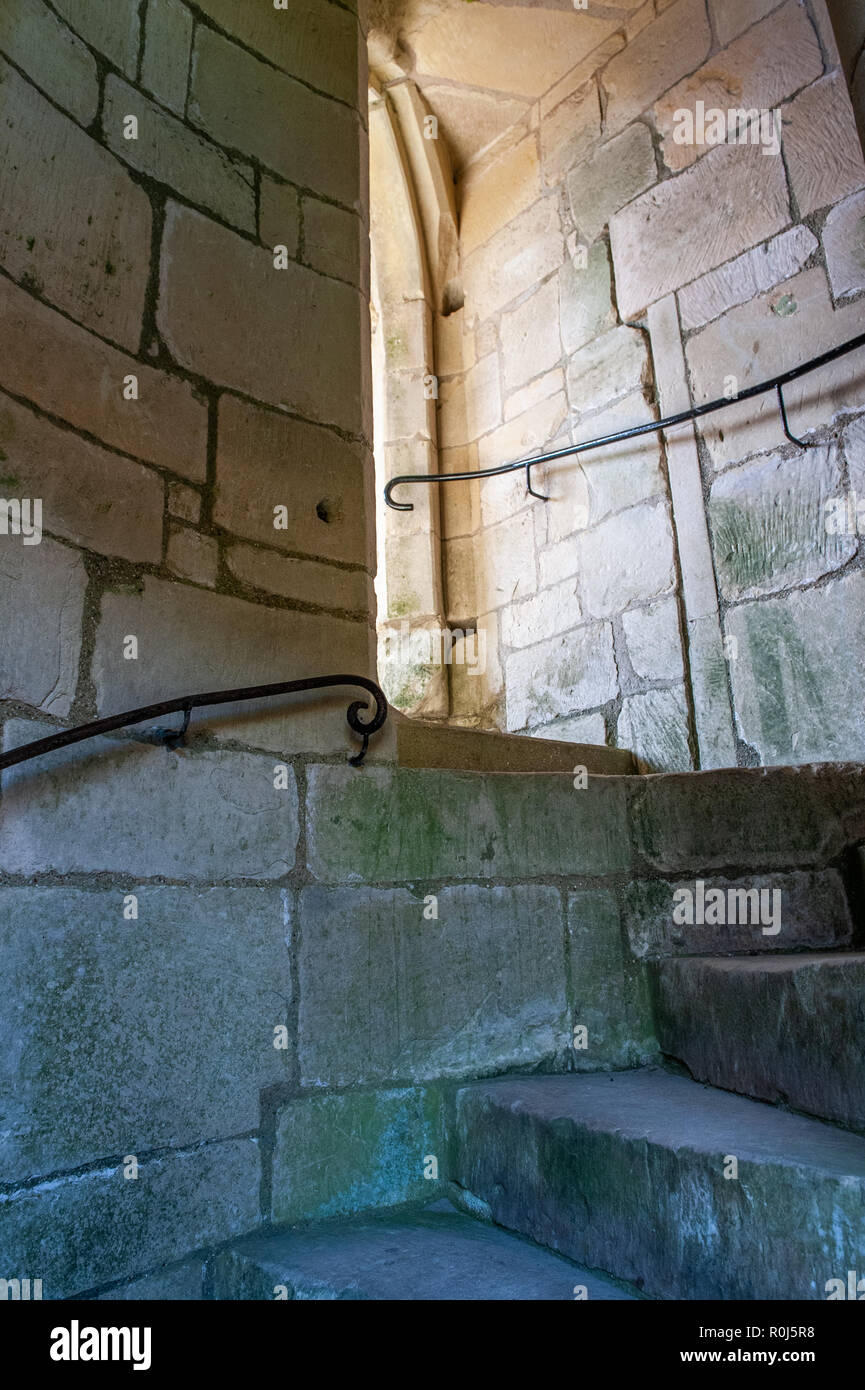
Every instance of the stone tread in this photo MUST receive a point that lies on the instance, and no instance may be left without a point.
(676, 1113)
(436, 1253)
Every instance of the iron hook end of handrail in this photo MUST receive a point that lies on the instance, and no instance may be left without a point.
(388, 496)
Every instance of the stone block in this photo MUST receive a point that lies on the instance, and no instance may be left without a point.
(114, 32)
(654, 726)
(530, 339)
(35, 40)
(730, 17)
(561, 676)
(626, 559)
(279, 215)
(42, 592)
(654, 641)
(769, 523)
(469, 407)
(167, 1023)
(815, 915)
(542, 389)
(166, 425)
(606, 369)
(745, 277)
(371, 954)
(617, 172)
(335, 242)
(192, 555)
(569, 132)
(585, 729)
(313, 41)
(73, 225)
(90, 496)
(797, 1021)
(225, 311)
(416, 824)
(181, 1284)
(553, 610)
(766, 337)
(673, 45)
(741, 80)
(336, 1155)
(493, 193)
(821, 144)
(843, 238)
(266, 460)
(184, 502)
(795, 701)
(534, 431)
(585, 296)
(252, 107)
(169, 151)
(167, 49)
(211, 815)
(768, 818)
(191, 640)
(92, 1228)
(610, 993)
(519, 256)
(587, 488)
(303, 580)
(730, 200)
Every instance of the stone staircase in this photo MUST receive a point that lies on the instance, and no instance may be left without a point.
(644, 1183)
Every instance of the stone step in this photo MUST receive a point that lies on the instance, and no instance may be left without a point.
(433, 1253)
(626, 1171)
(787, 1028)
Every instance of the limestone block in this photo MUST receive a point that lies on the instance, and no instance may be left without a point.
(492, 194)
(815, 915)
(535, 393)
(654, 726)
(618, 171)
(210, 816)
(73, 225)
(745, 277)
(141, 1011)
(585, 728)
(87, 1229)
(569, 132)
(626, 559)
(561, 676)
(730, 200)
(184, 502)
(169, 151)
(675, 44)
(279, 215)
(336, 242)
(765, 337)
(553, 610)
(471, 121)
(167, 46)
(304, 580)
(611, 366)
(795, 701)
(189, 639)
(114, 31)
(530, 338)
(586, 488)
(655, 641)
(42, 591)
(610, 994)
(398, 824)
(166, 425)
(740, 79)
(90, 496)
(336, 1155)
(586, 300)
(523, 253)
(822, 146)
(313, 41)
(193, 556)
(225, 311)
(471, 405)
(444, 1017)
(730, 17)
(843, 239)
(252, 107)
(532, 432)
(506, 564)
(35, 40)
(769, 523)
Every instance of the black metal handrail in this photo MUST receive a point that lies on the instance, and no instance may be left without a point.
(777, 383)
(187, 703)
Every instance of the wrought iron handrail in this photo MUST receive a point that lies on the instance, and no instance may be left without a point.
(776, 383)
(187, 703)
